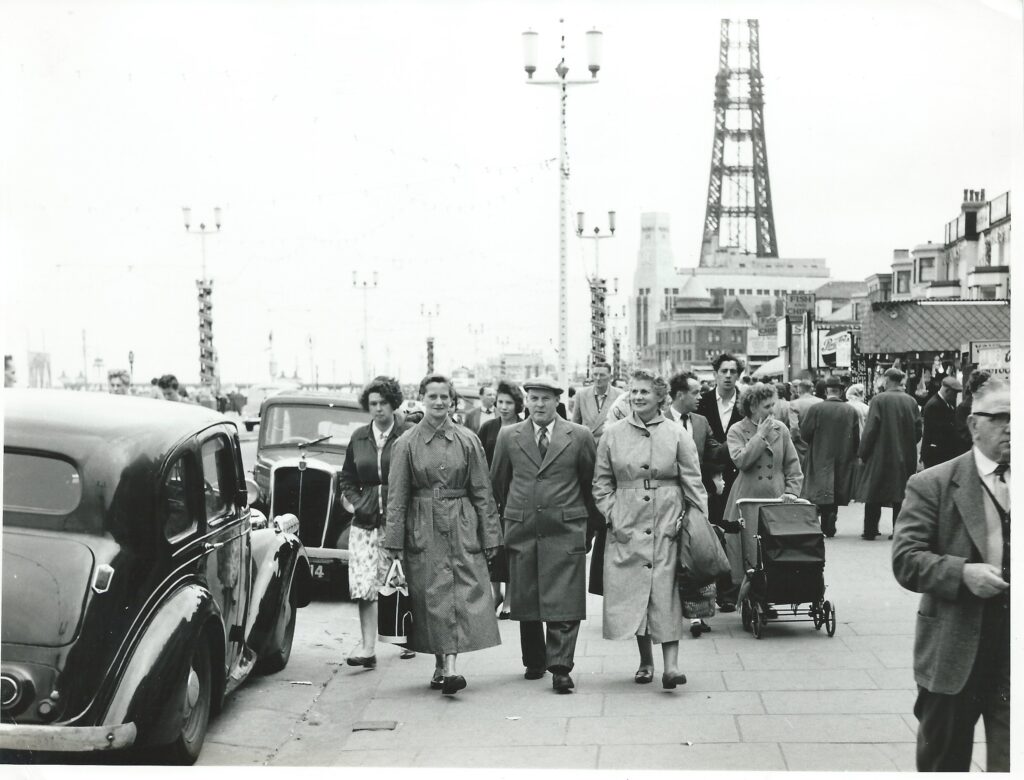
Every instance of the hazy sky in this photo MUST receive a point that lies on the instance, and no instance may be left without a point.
(402, 138)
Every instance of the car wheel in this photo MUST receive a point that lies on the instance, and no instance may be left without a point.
(276, 658)
(195, 708)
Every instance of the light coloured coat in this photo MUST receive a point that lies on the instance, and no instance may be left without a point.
(443, 540)
(642, 545)
(547, 508)
(586, 413)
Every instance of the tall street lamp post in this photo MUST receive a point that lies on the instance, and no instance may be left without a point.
(207, 361)
(366, 285)
(530, 51)
(431, 315)
(598, 291)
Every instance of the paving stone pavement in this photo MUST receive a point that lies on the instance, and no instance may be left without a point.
(793, 700)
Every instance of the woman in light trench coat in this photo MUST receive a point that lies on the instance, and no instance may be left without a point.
(443, 523)
(646, 477)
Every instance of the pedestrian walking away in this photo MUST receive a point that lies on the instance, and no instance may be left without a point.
(364, 483)
(646, 481)
(768, 467)
(888, 449)
(712, 455)
(508, 404)
(720, 408)
(952, 545)
(831, 432)
(798, 407)
(939, 441)
(542, 473)
(441, 520)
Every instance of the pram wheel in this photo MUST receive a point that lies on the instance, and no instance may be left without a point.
(817, 615)
(758, 620)
(745, 614)
(830, 618)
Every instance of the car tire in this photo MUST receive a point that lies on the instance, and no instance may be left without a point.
(197, 698)
(276, 658)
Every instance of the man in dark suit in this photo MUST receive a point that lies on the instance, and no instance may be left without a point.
(684, 389)
(975, 380)
(952, 544)
(940, 442)
(720, 408)
(478, 415)
(541, 474)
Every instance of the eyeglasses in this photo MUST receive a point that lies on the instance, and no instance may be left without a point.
(999, 418)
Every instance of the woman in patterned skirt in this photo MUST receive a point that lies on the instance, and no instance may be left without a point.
(364, 483)
(443, 523)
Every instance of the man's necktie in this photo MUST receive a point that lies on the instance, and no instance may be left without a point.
(542, 442)
(686, 421)
(1002, 494)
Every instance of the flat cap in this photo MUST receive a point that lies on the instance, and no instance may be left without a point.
(953, 384)
(543, 383)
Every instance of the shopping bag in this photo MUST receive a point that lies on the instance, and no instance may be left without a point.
(698, 600)
(701, 557)
(394, 609)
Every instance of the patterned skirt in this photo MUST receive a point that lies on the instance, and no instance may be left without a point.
(367, 564)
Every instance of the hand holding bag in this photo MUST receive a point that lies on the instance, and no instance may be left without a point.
(701, 557)
(394, 608)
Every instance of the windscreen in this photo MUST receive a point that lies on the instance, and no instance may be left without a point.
(291, 425)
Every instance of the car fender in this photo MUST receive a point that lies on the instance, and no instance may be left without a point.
(279, 566)
(146, 691)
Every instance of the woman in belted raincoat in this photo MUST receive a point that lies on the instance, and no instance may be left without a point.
(646, 476)
(442, 522)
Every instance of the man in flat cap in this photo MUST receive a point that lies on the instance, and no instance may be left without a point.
(940, 442)
(541, 474)
(831, 432)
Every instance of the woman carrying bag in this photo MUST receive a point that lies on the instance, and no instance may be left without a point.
(364, 483)
(646, 484)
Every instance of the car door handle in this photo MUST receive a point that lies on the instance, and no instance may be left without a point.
(210, 546)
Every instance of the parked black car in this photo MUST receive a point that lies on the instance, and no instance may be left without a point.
(138, 586)
(301, 449)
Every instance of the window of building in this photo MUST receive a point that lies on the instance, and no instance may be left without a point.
(903, 281)
(675, 291)
(927, 272)
(687, 354)
(732, 291)
(987, 293)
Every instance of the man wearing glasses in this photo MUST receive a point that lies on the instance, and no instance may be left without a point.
(952, 544)
(718, 406)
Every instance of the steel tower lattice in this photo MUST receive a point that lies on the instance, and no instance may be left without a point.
(739, 192)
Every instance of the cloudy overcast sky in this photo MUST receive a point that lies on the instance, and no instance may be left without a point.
(401, 138)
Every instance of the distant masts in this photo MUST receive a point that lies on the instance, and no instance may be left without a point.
(204, 286)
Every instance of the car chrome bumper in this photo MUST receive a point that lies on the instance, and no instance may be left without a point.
(66, 738)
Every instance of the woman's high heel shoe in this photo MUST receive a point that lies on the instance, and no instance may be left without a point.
(670, 681)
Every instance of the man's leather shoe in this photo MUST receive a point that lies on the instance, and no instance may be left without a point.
(869, 536)
(562, 683)
(453, 684)
(533, 674)
(696, 629)
(727, 607)
(367, 662)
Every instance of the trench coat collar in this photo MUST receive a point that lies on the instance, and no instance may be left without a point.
(428, 431)
(970, 500)
(636, 422)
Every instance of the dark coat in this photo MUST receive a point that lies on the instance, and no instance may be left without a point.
(888, 447)
(831, 432)
(361, 483)
(488, 435)
(941, 527)
(963, 411)
(707, 408)
(940, 441)
(548, 511)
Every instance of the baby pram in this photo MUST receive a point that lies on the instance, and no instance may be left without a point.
(784, 561)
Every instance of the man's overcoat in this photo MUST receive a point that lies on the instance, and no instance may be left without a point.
(548, 510)
(830, 430)
(888, 447)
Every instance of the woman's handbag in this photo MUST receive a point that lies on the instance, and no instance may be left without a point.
(394, 609)
(701, 557)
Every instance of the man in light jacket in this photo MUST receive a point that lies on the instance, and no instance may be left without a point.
(592, 403)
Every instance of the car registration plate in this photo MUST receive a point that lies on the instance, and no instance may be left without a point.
(318, 572)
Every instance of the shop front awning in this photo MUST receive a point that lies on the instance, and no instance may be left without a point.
(773, 367)
(898, 327)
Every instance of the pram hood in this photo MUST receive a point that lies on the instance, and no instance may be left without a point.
(790, 533)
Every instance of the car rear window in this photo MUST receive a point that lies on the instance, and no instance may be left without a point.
(40, 484)
(297, 424)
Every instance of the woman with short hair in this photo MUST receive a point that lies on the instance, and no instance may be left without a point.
(646, 477)
(442, 522)
(508, 405)
(364, 484)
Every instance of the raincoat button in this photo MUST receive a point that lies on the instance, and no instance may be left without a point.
(647, 531)
(647, 498)
(647, 565)
(645, 466)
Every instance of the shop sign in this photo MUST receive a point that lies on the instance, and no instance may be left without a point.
(799, 303)
(836, 349)
(995, 360)
(977, 347)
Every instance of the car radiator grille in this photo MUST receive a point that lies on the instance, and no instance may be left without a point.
(306, 494)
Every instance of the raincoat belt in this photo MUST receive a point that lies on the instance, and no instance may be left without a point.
(647, 484)
(440, 493)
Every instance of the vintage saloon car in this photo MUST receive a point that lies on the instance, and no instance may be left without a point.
(138, 586)
(301, 449)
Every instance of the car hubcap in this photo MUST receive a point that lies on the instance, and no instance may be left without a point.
(191, 692)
